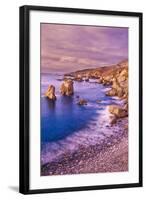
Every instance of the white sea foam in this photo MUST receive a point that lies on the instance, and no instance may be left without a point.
(97, 130)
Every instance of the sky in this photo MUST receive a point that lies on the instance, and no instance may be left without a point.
(67, 48)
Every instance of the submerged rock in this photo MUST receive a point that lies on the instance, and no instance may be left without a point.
(82, 102)
(67, 87)
(50, 93)
(117, 87)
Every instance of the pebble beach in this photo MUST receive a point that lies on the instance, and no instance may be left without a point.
(111, 155)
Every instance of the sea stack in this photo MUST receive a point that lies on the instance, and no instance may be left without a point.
(50, 93)
(67, 87)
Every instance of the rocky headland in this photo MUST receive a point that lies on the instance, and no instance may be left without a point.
(115, 76)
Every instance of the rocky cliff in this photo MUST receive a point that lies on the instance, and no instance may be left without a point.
(115, 76)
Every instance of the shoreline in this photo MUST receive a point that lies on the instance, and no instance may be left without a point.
(110, 156)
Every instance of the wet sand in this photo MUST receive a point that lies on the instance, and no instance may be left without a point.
(109, 156)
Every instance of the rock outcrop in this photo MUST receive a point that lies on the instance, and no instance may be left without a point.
(113, 119)
(118, 111)
(120, 84)
(50, 93)
(82, 102)
(116, 77)
(78, 78)
(67, 87)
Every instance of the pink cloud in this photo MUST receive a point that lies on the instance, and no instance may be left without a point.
(64, 47)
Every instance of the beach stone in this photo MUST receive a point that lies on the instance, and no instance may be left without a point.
(67, 87)
(50, 93)
(126, 126)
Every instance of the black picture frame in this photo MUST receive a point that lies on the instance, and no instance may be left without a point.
(24, 98)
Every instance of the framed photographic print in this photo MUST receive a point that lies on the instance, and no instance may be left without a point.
(80, 99)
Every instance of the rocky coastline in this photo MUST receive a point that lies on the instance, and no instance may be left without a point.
(111, 155)
(115, 76)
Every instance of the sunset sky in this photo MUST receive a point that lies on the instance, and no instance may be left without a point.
(70, 47)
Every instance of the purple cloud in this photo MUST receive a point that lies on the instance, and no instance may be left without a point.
(68, 47)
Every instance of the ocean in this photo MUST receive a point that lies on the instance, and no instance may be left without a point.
(65, 125)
